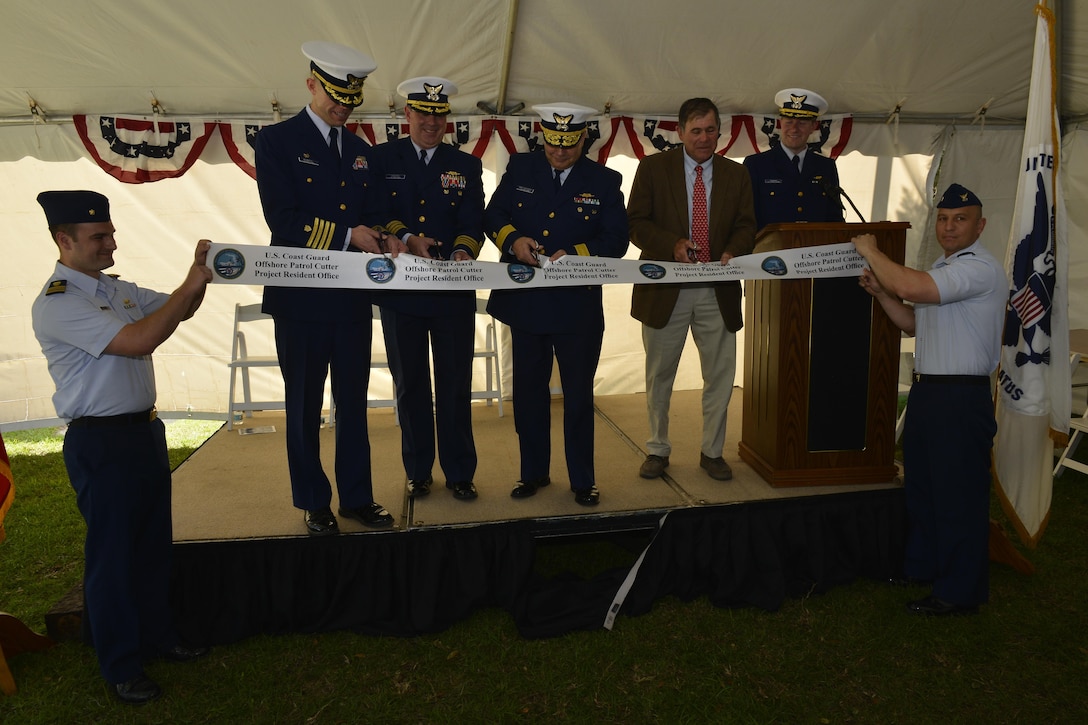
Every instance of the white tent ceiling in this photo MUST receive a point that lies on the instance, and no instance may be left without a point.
(228, 59)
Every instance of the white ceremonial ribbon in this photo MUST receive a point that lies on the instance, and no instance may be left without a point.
(629, 580)
(301, 267)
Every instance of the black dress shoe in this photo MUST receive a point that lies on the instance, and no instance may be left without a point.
(587, 496)
(462, 490)
(909, 581)
(525, 489)
(373, 515)
(321, 522)
(419, 489)
(184, 653)
(933, 607)
(137, 691)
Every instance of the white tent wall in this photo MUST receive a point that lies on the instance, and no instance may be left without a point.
(887, 176)
(207, 59)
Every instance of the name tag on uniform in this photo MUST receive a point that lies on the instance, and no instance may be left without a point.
(395, 177)
(525, 189)
(308, 161)
(772, 181)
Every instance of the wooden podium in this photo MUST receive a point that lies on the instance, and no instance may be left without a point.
(821, 368)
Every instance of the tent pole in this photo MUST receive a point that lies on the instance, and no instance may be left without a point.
(511, 24)
(1059, 25)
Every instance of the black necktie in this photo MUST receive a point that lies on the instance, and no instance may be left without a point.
(423, 157)
(334, 143)
(797, 163)
(557, 180)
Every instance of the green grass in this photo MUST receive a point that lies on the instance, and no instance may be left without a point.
(852, 655)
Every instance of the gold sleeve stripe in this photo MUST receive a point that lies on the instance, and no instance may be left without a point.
(465, 240)
(581, 250)
(395, 227)
(500, 238)
(322, 235)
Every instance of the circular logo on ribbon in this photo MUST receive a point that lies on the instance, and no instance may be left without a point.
(652, 271)
(520, 273)
(381, 269)
(229, 263)
(775, 266)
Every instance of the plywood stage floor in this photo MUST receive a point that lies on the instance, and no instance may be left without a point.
(236, 486)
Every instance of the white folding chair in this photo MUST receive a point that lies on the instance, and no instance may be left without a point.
(241, 361)
(381, 360)
(906, 347)
(489, 353)
(1078, 427)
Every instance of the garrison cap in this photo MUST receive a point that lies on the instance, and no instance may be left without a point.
(74, 207)
(428, 94)
(340, 70)
(563, 123)
(799, 103)
(956, 197)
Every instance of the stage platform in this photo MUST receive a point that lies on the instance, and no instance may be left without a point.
(245, 565)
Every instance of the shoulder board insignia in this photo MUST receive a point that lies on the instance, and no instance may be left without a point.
(57, 287)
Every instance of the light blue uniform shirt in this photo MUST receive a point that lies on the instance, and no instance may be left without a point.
(961, 335)
(74, 326)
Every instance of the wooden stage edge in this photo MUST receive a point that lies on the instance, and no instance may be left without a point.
(235, 487)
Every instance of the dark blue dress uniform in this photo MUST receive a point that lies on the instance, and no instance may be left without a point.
(310, 200)
(586, 217)
(443, 200)
(783, 195)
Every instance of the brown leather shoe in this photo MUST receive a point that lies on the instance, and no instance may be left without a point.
(716, 468)
(653, 466)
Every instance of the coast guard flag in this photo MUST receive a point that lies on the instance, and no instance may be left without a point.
(1033, 395)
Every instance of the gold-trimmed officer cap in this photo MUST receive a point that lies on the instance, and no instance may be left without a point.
(957, 197)
(799, 103)
(340, 70)
(428, 94)
(74, 207)
(563, 123)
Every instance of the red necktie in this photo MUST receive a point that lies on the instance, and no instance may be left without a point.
(699, 228)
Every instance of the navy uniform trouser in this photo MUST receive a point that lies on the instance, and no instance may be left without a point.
(309, 351)
(577, 355)
(121, 476)
(410, 340)
(947, 440)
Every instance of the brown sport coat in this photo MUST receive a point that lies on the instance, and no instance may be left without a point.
(657, 213)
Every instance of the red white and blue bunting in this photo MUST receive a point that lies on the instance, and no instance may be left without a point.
(138, 150)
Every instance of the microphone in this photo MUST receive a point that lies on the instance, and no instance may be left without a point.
(838, 191)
